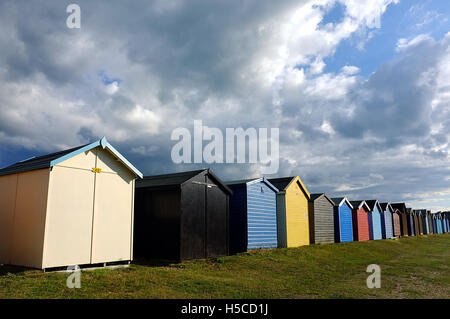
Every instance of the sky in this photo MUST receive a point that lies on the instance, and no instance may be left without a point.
(360, 90)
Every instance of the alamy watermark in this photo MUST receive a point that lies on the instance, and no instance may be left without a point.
(73, 21)
(238, 146)
(74, 279)
(374, 280)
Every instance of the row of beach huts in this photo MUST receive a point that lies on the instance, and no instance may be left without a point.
(90, 206)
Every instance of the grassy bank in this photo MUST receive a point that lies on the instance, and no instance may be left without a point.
(416, 267)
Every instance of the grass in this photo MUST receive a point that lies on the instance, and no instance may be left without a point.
(415, 267)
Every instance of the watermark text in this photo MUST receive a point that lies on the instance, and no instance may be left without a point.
(238, 146)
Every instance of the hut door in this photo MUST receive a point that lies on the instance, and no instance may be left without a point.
(112, 216)
(204, 220)
(111, 238)
(216, 221)
(193, 219)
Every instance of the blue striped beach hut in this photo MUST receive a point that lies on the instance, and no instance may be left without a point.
(253, 215)
(375, 219)
(343, 227)
(387, 210)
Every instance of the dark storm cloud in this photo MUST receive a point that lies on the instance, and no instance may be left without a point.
(395, 103)
(35, 40)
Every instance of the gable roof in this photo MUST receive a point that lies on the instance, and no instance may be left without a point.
(314, 197)
(385, 206)
(281, 183)
(400, 206)
(253, 181)
(338, 201)
(167, 179)
(177, 179)
(285, 182)
(35, 163)
(420, 211)
(357, 204)
(50, 160)
(372, 203)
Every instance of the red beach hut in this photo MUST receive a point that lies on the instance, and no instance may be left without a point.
(360, 219)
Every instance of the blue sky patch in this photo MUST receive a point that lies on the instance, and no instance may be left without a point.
(335, 15)
(406, 19)
(106, 79)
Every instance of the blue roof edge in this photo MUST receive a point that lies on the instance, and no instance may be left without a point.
(271, 185)
(105, 145)
(264, 180)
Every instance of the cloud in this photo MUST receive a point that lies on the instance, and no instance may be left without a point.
(394, 105)
(350, 70)
(136, 71)
(403, 44)
(394, 125)
(112, 88)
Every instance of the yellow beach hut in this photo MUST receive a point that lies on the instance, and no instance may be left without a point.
(292, 212)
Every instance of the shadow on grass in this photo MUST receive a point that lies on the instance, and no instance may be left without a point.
(8, 269)
(155, 262)
(175, 264)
